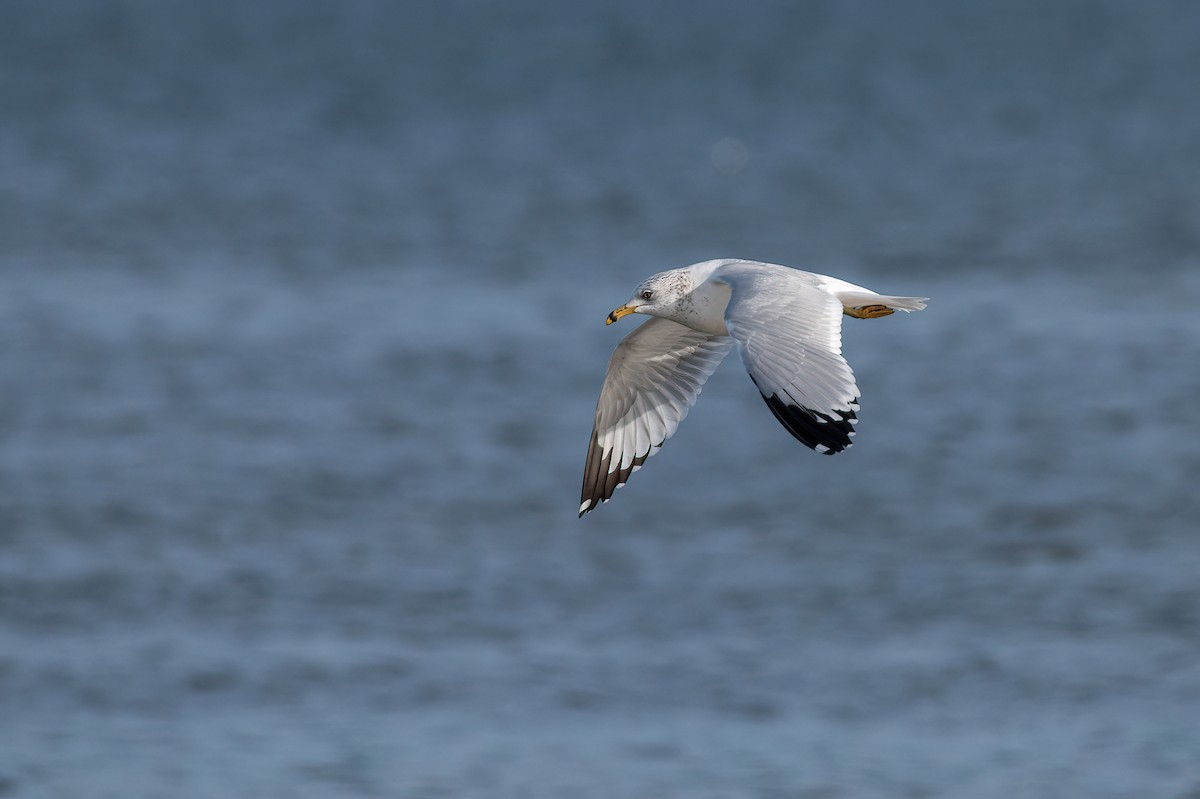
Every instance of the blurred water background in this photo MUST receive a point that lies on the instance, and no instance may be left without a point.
(301, 330)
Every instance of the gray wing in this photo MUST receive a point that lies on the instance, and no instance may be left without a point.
(788, 327)
(653, 380)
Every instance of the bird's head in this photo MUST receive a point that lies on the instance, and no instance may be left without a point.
(661, 295)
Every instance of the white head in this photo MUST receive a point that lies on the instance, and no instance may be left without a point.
(665, 294)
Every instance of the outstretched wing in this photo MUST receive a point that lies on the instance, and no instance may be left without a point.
(653, 380)
(789, 331)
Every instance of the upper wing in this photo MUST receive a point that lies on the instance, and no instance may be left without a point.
(653, 379)
(789, 331)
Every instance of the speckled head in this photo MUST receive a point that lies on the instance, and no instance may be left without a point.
(665, 294)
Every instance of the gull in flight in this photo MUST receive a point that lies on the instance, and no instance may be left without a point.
(787, 326)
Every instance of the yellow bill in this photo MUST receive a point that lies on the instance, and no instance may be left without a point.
(624, 310)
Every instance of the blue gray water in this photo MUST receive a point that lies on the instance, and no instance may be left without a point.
(301, 329)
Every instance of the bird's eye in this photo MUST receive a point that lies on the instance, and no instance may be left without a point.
(647, 295)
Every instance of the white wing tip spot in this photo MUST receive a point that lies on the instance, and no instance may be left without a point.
(587, 503)
(821, 448)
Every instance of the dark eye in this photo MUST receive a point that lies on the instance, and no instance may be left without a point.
(647, 295)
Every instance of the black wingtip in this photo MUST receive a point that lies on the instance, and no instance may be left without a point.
(598, 482)
(828, 434)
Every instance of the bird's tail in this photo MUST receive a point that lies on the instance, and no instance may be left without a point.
(854, 299)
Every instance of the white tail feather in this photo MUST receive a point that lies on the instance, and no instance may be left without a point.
(908, 304)
(856, 299)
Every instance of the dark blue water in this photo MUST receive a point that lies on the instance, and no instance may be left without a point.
(301, 330)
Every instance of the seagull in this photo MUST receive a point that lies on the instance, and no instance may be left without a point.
(787, 325)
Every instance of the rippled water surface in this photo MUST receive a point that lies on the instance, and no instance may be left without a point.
(301, 330)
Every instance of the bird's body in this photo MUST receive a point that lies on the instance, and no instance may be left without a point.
(787, 327)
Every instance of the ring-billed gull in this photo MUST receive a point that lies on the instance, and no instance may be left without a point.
(787, 325)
